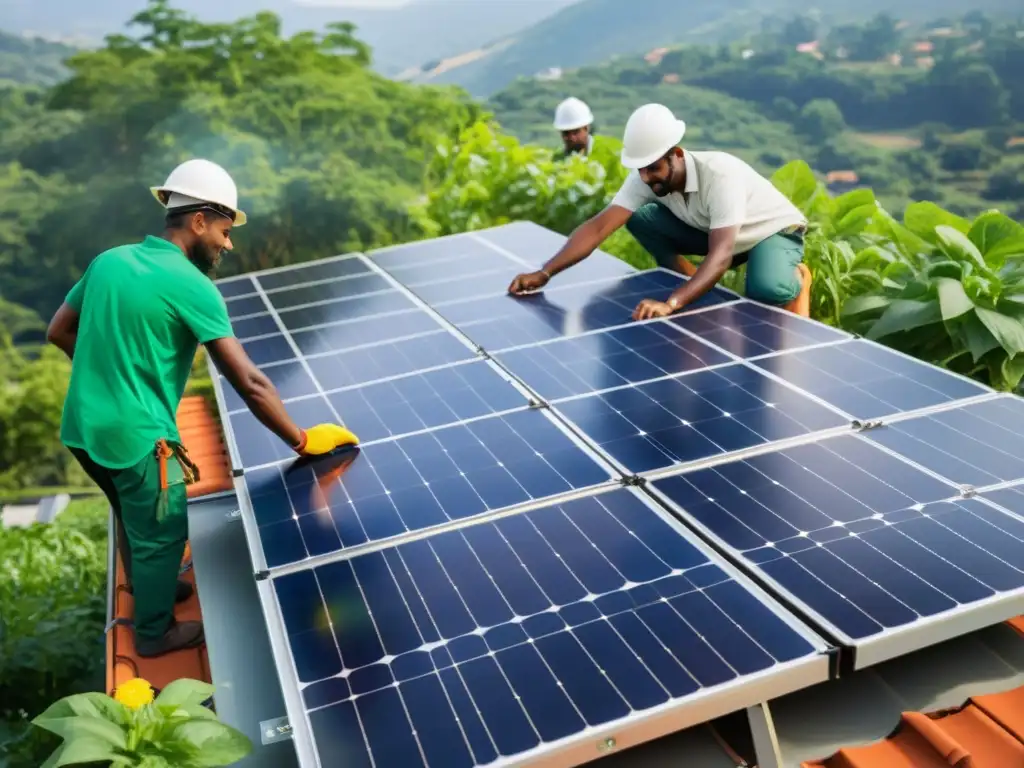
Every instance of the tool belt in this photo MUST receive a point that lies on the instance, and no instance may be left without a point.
(166, 449)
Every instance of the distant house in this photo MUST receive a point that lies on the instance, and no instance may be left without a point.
(923, 46)
(811, 49)
(670, 78)
(747, 53)
(551, 73)
(654, 57)
(841, 181)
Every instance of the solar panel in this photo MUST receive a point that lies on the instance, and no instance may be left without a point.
(499, 322)
(695, 416)
(518, 637)
(412, 483)
(980, 444)
(869, 381)
(749, 330)
(887, 558)
(473, 584)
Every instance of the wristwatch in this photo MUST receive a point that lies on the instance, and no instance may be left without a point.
(673, 303)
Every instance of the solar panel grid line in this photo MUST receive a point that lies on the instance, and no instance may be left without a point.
(291, 267)
(684, 279)
(306, 305)
(595, 331)
(503, 251)
(937, 408)
(295, 349)
(385, 249)
(784, 382)
(945, 574)
(710, 702)
(910, 462)
(333, 323)
(441, 320)
(743, 454)
(911, 358)
(490, 516)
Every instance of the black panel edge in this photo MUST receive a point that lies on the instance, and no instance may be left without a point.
(237, 472)
(838, 653)
(262, 575)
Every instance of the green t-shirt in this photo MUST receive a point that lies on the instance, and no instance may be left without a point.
(144, 309)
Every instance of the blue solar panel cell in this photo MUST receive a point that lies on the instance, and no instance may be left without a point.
(369, 306)
(425, 401)
(747, 329)
(269, 349)
(695, 416)
(500, 322)
(364, 331)
(866, 542)
(245, 305)
(416, 482)
(257, 325)
(235, 286)
(396, 358)
(336, 289)
(535, 245)
(980, 444)
(489, 641)
(869, 381)
(318, 271)
(418, 254)
(614, 358)
(290, 379)
(1010, 499)
(257, 445)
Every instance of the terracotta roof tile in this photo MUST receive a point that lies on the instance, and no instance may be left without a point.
(987, 732)
(202, 436)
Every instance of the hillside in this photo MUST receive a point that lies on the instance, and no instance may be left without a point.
(592, 31)
(27, 61)
(400, 37)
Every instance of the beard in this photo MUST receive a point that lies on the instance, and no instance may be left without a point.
(205, 258)
(659, 188)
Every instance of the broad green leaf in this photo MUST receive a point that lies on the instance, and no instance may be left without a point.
(1013, 371)
(924, 217)
(997, 236)
(905, 241)
(903, 315)
(91, 704)
(217, 743)
(945, 268)
(78, 726)
(859, 305)
(856, 198)
(81, 750)
(796, 181)
(1007, 330)
(975, 337)
(953, 300)
(855, 221)
(184, 691)
(956, 245)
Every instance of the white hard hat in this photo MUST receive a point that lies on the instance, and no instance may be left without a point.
(200, 181)
(651, 131)
(572, 114)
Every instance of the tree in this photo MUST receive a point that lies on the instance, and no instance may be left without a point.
(821, 119)
(878, 38)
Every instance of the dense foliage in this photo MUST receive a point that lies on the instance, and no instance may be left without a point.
(912, 125)
(52, 612)
(31, 61)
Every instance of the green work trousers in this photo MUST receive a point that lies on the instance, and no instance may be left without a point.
(151, 539)
(772, 276)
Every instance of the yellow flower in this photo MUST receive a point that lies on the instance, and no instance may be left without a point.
(134, 693)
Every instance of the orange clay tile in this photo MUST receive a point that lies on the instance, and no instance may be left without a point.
(201, 435)
(987, 732)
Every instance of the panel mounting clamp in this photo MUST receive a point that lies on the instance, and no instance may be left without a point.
(968, 491)
(634, 480)
(861, 426)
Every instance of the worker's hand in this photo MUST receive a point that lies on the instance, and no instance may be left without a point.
(649, 308)
(528, 281)
(324, 438)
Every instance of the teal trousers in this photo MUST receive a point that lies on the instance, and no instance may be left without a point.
(772, 276)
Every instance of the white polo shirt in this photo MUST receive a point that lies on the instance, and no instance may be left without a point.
(721, 190)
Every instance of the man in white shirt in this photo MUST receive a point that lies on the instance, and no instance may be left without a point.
(678, 202)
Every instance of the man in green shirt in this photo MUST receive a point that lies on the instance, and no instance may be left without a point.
(131, 326)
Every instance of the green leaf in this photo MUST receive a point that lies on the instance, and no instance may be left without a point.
(924, 217)
(81, 750)
(217, 744)
(975, 337)
(91, 704)
(953, 300)
(855, 221)
(1008, 331)
(945, 268)
(854, 199)
(184, 691)
(1013, 371)
(77, 726)
(858, 305)
(796, 181)
(997, 236)
(903, 315)
(956, 245)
